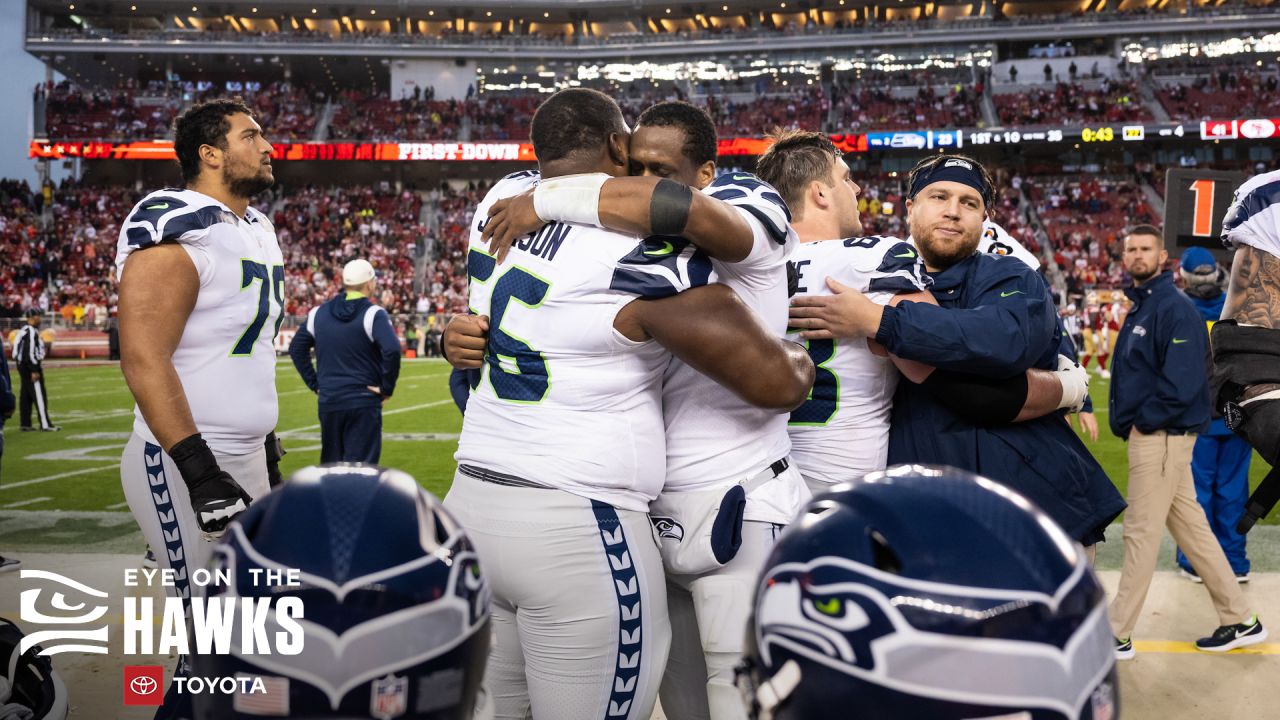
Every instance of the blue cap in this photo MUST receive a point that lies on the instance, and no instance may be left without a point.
(1198, 259)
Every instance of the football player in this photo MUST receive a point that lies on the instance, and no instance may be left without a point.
(730, 484)
(1246, 342)
(201, 295)
(842, 431)
(940, 610)
(554, 479)
(995, 318)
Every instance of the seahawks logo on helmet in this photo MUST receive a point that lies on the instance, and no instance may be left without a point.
(882, 628)
(668, 528)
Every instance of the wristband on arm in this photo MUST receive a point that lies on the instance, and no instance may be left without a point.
(195, 460)
(570, 198)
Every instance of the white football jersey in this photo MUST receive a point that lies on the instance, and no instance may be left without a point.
(842, 430)
(564, 399)
(226, 358)
(1253, 218)
(997, 241)
(714, 438)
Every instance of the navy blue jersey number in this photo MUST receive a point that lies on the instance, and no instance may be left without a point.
(824, 398)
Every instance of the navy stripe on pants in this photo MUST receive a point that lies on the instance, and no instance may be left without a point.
(351, 435)
(626, 586)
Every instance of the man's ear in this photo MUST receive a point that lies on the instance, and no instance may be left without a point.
(819, 195)
(706, 174)
(618, 154)
(210, 155)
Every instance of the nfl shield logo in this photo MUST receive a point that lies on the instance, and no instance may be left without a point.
(389, 697)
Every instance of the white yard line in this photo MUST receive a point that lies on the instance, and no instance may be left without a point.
(118, 505)
(21, 503)
(411, 408)
(99, 416)
(59, 476)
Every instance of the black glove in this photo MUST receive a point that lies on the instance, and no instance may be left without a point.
(215, 495)
(275, 453)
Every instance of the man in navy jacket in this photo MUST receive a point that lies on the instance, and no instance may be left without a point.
(357, 363)
(1160, 403)
(994, 318)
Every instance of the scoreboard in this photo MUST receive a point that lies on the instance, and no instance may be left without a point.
(1195, 205)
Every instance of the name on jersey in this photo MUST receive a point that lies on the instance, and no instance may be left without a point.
(543, 243)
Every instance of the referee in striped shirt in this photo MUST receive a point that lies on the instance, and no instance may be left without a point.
(28, 354)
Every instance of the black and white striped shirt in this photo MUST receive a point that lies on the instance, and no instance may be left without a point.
(28, 350)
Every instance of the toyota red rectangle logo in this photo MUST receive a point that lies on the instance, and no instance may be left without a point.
(143, 685)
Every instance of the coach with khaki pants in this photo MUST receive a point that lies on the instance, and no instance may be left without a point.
(1159, 403)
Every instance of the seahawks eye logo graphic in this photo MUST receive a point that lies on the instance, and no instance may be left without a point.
(77, 612)
(668, 528)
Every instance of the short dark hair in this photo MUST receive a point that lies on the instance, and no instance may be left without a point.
(700, 142)
(203, 124)
(795, 159)
(572, 120)
(1145, 229)
(926, 166)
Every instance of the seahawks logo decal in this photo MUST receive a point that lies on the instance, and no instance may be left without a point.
(882, 627)
(668, 528)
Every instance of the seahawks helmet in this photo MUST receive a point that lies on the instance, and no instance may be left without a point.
(928, 593)
(28, 682)
(395, 610)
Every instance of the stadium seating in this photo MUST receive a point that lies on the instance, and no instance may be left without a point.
(1104, 101)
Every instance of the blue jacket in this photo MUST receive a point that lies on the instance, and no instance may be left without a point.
(7, 401)
(1160, 369)
(1211, 310)
(355, 347)
(995, 318)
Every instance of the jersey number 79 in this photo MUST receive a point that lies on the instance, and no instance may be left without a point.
(268, 284)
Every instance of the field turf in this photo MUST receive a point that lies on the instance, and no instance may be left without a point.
(77, 469)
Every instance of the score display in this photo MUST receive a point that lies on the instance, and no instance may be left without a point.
(1195, 205)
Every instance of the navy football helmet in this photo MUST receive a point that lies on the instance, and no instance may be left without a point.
(928, 593)
(395, 608)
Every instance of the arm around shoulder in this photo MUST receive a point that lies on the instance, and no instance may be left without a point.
(712, 330)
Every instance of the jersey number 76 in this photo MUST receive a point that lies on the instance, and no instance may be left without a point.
(517, 372)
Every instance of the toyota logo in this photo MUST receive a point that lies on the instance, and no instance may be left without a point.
(143, 685)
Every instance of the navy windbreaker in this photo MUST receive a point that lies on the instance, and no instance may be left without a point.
(356, 347)
(1160, 369)
(994, 318)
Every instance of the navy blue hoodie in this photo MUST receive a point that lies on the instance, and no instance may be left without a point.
(1160, 369)
(355, 347)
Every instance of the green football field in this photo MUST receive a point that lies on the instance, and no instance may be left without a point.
(76, 471)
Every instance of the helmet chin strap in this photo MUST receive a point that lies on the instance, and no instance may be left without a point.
(778, 688)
